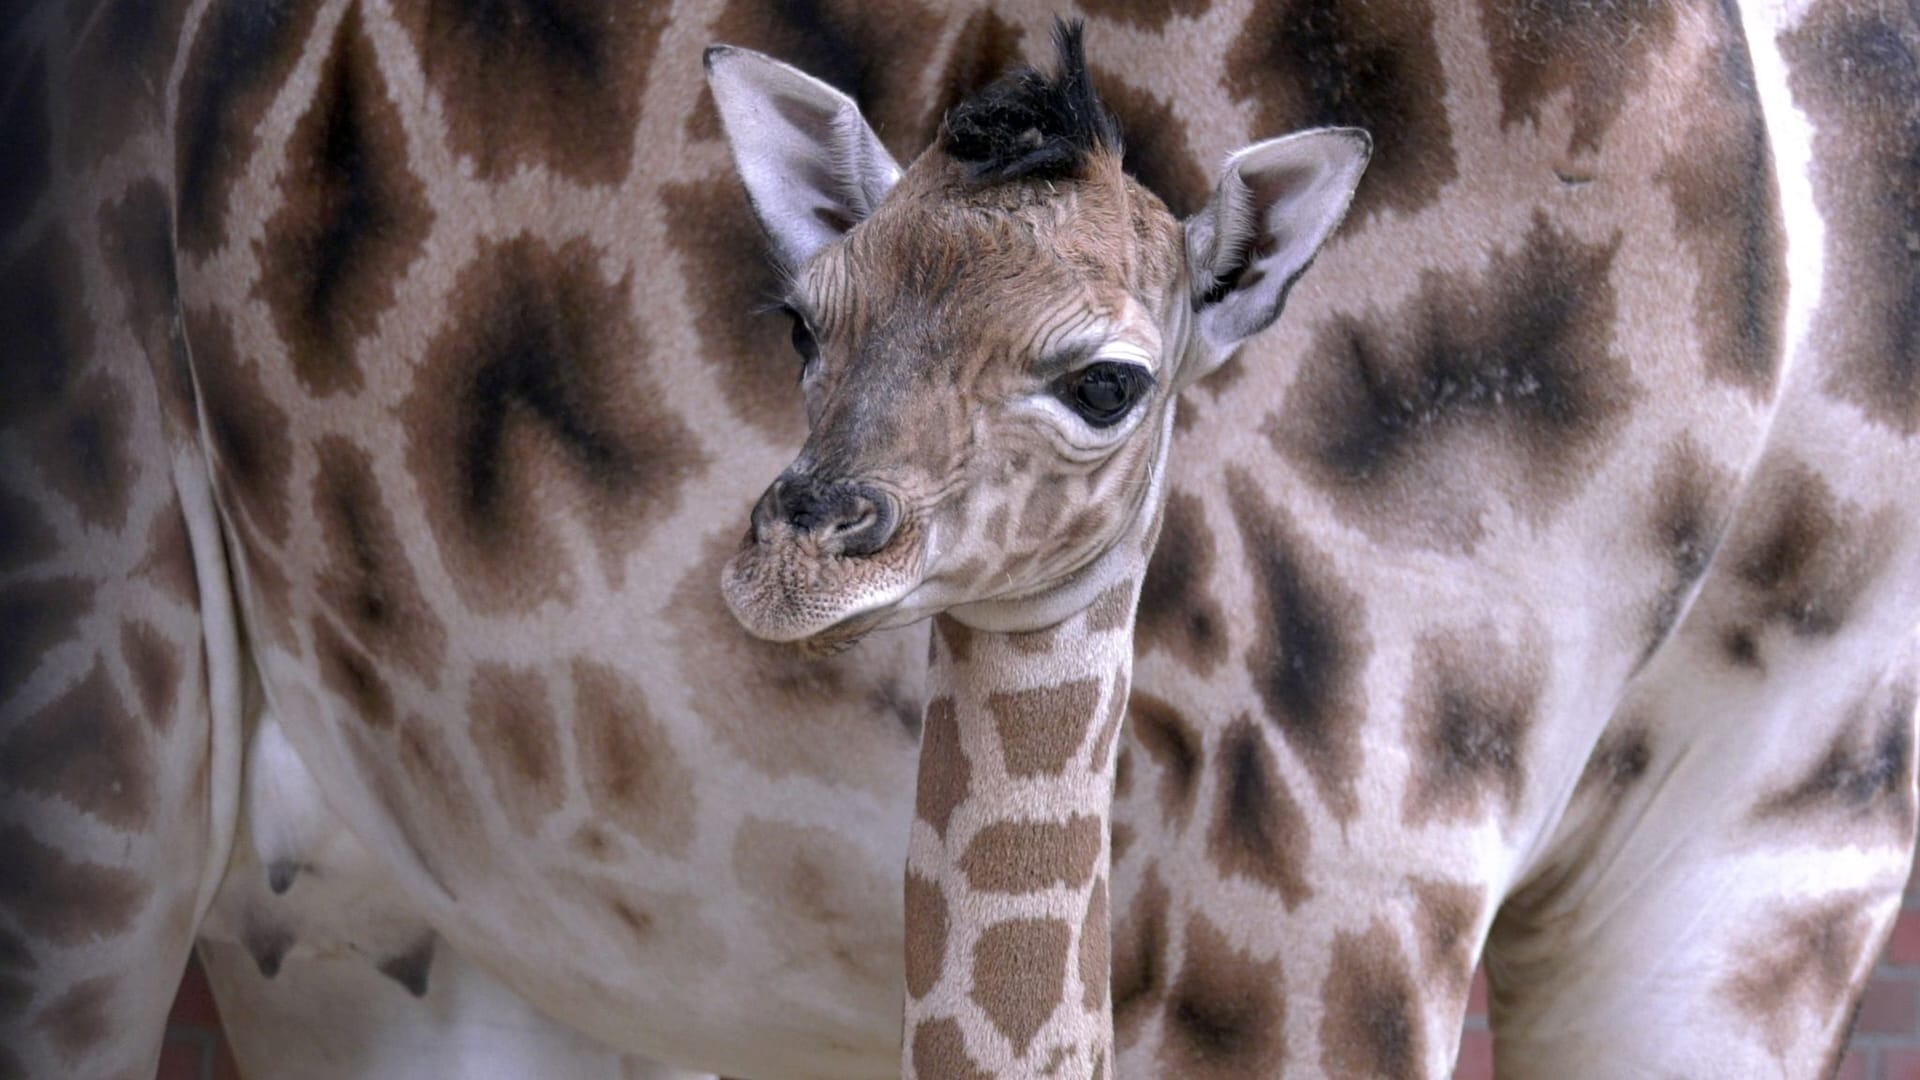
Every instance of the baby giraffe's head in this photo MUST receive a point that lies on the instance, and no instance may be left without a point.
(991, 342)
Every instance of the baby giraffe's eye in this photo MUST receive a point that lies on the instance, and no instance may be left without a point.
(1103, 392)
(803, 342)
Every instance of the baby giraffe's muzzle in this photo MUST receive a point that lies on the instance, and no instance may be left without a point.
(839, 517)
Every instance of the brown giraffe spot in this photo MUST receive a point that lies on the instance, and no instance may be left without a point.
(1156, 150)
(126, 50)
(78, 1020)
(1041, 729)
(1019, 976)
(714, 235)
(1863, 783)
(1505, 388)
(38, 615)
(85, 749)
(1178, 613)
(592, 841)
(550, 84)
(955, 636)
(630, 768)
(1311, 646)
(940, 1049)
(83, 451)
(350, 673)
(1095, 943)
(1121, 840)
(418, 784)
(1469, 709)
(1148, 15)
(26, 125)
(1258, 831)
(352, 217)
(1033, 642)
(986, 47)
(1801, 557)
(1800, 968)
(1372, 1024)
(946, 777)
(25, 537)
(1225, 1014)
(514, 731)
(169, 562)
(536, 406)
(1304, 64)
(821, 895)
(926, 934)
(1855, 69)
(1619, 760)
(1140, 958)
(238, 63)
(1041, 512)
(413, 967)
(1692, 500)
(1112, 609)
(369, 581)
(1029, 856)
(876, 54)
(1595, 56)
(48, 331)
(248, 431)
(137, 239)
(1726, 204)
(1175, 748)
(1444, 916)
(60, 900)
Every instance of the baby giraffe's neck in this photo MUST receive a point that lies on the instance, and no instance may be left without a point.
(1006, 890)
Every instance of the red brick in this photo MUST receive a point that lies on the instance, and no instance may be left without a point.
(1891, 1006)
(1904, 948)
(179, 1060)
(193, 1003)
(1477, 996)
(1476, 1057)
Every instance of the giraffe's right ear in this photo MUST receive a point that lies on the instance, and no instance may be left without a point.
(812, 167)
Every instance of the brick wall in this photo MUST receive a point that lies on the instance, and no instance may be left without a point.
(1886, 1040)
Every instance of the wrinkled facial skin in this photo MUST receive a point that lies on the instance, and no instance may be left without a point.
(988, 381)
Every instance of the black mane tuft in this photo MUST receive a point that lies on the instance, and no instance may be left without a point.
(1025, 124)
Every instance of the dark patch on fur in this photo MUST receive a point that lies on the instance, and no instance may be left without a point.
(252, 452)
(63, 901)
(123, 50)
(411, 968)
(368, 581)
(1800, 559)
(241, 54)
(1258, 831)
(79, 1020)
(352, 220)
(877, 54)
(1856, 70)
(1311, 647)
(512, 723)
(1304, 63)
(627, 763)
(48, 332)
(26, 133)
(1175, 747)
(1140, 959)
(556, 83)
(84, 454)
(1594, 53)
(25, 537)
(1727, 205)
(1863, 781)
(137, 238)
(1444, 917)
(84, 749)
(1469, 711)
(37, 615)
(536, 404)
(1692, 498)
(1177, 611)
(350, 673)
(1028, 126)
(1372, 1024)
(1800, 965)
(1618, 762)
(1226, 1016)
(1416, 422)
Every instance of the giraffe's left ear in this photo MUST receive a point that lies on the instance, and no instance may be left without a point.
(812, 167)
(1276, 203)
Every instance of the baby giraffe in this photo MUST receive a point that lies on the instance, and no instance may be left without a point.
(992, 342)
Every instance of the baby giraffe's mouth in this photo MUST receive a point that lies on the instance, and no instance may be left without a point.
(784, 585)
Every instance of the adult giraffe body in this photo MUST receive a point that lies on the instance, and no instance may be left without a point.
(1558, 564)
